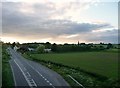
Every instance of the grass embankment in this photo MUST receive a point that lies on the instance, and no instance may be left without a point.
(99, 68)
(7, 78)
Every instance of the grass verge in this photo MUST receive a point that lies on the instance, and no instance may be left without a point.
(7, 77)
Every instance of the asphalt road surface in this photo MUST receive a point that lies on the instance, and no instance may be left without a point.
(32, 74)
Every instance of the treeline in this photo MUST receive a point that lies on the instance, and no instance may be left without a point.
(71, 48)
(80, 47)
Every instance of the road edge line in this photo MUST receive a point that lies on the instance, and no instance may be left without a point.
(76, 81)
(13, 74)
(24, 75)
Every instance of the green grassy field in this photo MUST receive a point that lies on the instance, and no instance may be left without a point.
(103, 63)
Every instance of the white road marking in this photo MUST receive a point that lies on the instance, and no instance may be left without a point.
(34, 84)
(28, 81)
(40, 74)
(47, 81)
(76, 81)
(28, 74)
(13, 74)
(50, 83)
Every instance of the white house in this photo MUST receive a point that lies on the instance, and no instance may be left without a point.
(47, 50)
(15, 48)
(31, 49)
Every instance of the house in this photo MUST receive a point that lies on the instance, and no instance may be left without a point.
(31, 49)
(47, 50)
(16, 48)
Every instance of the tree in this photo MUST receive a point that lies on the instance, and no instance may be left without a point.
(48, 45)
(78, 43)
(40, 48)
(109, 46)
(13, 44)
(54, 47)
(17, 43)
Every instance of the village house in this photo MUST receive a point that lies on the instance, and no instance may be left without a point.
(16, 48)
(47, 50)
(31, 49)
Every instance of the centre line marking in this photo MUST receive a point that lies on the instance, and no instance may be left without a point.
(39, 74)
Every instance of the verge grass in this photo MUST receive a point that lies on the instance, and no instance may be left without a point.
(7, 77)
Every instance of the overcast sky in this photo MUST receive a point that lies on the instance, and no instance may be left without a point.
(60, 21)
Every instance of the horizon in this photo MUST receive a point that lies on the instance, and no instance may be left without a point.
(57, 43)
(91, 21)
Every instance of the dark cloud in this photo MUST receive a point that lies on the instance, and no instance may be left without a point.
(86, 27)
(40, 25)
(107, 36)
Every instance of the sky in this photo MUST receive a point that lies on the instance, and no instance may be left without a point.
(59, 21)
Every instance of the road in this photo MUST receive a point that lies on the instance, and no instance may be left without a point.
(32, 74)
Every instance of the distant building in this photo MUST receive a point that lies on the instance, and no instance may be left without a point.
(117, 46)
(15, 48)
(31, 49)
(47, 50)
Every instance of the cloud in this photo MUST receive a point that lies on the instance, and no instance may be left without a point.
(108, 36)
(36, 22)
